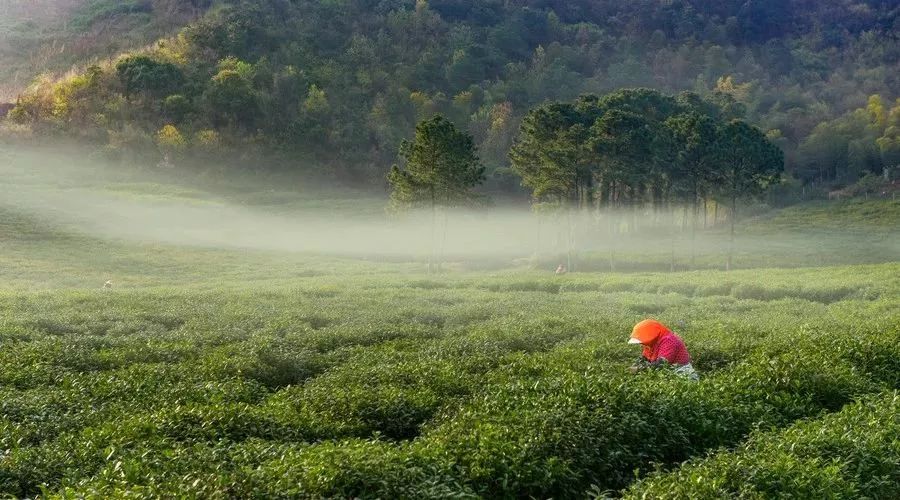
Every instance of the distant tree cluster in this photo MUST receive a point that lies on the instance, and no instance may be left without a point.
(337, 86)
(866, 140)
(638, 149)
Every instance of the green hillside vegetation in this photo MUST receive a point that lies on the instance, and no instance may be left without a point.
(381, 381)
(47, 37)
(849, 454)
(285, 81)
(849, 215)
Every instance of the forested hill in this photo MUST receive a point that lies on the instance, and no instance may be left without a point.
(52, 36)
(335, 85)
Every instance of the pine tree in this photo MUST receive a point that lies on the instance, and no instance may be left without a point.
(750, 163)
(440, 169)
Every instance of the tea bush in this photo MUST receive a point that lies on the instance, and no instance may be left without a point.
(853, 453)
(401, 386)
(553, 434)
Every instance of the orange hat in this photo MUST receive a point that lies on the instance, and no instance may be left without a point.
(646, 332)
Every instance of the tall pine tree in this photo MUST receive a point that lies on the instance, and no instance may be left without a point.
(440, 169)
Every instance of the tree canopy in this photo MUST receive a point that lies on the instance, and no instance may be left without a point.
(337, 85)
(440, 168)
(639, 147)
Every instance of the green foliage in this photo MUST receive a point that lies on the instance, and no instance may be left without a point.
(318, 96)
(232, 97)
(144, 74)
(350, 394)
(545, 155)
(752, 161)
(38, 37)
(851, 453)
(440, 168)
(177, 107)
(639, 146)
(624, 144)
(316, 101)
(170, 140)
(697, 150)
(99, 10)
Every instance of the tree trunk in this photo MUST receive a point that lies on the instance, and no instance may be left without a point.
(569, 240)
(440, 263)
(694, 209)
(634, 215)
(610, 234)
(433, 224)
(590, 192)
(557, 234)
(672, 243)
(705, 212)
(731, 237)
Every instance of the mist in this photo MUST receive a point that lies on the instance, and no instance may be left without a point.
(171, 207)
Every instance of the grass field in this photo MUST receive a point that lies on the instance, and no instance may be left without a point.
(221, 371)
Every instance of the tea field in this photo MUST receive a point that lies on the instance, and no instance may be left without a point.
(235, 373)
(386, 383)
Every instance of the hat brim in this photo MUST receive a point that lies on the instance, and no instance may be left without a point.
(634, 341)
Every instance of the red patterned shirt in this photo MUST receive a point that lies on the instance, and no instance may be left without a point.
(671, 348)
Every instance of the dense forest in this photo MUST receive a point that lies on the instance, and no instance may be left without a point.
(336, 86)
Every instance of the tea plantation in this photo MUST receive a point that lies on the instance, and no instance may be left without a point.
(228, 373)
(513, 384)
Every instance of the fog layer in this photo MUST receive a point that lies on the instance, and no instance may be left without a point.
(162, 207)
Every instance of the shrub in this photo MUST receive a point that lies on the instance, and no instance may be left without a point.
(366, 386)
(850, 454)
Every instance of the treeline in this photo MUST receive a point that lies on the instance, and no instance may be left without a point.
(863, 141)
(624, 155)
(336, 86)
(641, 148)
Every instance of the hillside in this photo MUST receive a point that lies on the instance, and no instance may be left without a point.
(335, 86)
(53, 36)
